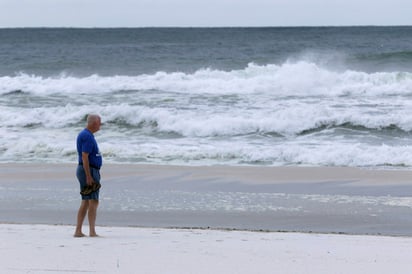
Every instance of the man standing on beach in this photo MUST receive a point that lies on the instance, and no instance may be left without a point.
(88, 174)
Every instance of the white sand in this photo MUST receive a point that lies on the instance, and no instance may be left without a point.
(52, 249)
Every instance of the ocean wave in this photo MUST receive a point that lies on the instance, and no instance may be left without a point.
(299, 78)
(237, 127)
(46, 149)
(387, 128)
(292, 113)
(291, 119)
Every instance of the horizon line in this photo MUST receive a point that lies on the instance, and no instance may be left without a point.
(198, 27)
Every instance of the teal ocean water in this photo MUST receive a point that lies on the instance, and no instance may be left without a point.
(325, 96)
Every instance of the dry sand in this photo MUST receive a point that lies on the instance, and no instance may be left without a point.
(52, 249)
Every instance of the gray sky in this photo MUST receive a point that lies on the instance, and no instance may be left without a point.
(159, 13)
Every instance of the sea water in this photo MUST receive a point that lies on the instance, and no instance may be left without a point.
(327, 96)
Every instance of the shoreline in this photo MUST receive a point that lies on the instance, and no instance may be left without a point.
(338, 200)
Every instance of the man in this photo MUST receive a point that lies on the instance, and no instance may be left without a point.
(90, 161)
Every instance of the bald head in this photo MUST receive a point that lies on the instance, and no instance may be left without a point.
(92, 118)
(93, 122)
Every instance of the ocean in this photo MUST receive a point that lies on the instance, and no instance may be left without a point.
(311, 96)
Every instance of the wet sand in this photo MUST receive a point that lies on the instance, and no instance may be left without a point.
(304, 199)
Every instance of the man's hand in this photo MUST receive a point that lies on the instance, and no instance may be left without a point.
(89, 180)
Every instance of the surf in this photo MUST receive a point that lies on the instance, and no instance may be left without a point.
(274, 79)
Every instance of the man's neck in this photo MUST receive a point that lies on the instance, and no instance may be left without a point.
(90, 129)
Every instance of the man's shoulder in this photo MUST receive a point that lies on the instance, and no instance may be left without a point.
(84, 134)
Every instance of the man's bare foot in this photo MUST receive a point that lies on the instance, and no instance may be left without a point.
(93, 235)
(78, 235)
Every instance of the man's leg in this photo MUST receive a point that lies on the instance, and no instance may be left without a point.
(81, 214)
(93, 204)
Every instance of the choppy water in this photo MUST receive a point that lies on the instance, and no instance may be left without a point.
(262, 96)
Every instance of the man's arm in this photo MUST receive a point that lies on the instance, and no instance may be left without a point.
(86, 167)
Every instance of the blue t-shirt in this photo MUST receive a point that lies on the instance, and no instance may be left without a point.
(87, 143)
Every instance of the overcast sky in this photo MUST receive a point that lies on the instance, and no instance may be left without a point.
(160, 13)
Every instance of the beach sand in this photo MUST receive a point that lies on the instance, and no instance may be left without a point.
(52, 249)
(302, 199)
(172, 219)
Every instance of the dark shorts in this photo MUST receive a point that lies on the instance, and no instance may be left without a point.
(81, 176)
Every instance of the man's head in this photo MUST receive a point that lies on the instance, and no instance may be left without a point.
(93, 122)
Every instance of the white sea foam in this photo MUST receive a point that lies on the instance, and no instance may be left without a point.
(288, 79)
(292, 113)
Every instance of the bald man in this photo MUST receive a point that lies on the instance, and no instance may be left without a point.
(88, 174)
